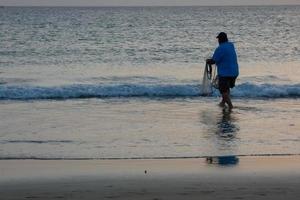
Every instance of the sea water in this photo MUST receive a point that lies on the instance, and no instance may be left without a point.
(125, 82)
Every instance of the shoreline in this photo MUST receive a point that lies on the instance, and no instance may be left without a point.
(150, 158)
(249, 177)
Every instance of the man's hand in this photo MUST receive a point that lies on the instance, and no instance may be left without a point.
(210, 61)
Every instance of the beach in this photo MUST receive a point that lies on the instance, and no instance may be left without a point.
(107, 103)
(263, 177)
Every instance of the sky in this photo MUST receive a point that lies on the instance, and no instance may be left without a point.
(143, 2)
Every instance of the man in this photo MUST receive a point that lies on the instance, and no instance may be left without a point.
(227, 66)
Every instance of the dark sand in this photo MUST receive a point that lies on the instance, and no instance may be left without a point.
(266, 177)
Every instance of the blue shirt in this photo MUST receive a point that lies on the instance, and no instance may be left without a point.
(226, 60)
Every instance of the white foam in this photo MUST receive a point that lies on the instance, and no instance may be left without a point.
(267, 90)
(248, 90)
(101, 91)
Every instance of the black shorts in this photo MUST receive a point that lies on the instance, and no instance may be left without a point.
(225, 83)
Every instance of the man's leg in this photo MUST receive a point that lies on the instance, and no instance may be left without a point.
(226, 99)
(222, 103)
(224, 87)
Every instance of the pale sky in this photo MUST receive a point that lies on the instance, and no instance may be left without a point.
(143, 2)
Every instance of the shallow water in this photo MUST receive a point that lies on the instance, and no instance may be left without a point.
(143, 128)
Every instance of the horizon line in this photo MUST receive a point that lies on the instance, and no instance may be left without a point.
(111, 6)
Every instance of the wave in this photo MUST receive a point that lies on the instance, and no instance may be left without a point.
(244, 90)
(250, 90)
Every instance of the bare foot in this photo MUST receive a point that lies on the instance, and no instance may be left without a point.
(222, 104)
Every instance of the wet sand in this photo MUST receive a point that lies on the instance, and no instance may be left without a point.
(256, 177)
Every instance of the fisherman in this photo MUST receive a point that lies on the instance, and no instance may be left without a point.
(227, 66)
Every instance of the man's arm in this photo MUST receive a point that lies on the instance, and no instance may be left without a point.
(217, 57)
(210, 61)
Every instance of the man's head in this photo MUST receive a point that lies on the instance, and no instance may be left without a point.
(222, 37)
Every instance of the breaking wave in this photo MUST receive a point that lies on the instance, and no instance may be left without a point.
(244, 90)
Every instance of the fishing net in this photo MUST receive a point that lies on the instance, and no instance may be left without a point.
(206, 88)
(210, 80)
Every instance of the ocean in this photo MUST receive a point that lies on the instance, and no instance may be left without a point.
(125, 82)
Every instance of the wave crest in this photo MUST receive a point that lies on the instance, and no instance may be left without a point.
(247, 90)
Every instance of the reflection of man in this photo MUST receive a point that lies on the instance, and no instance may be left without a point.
(226, 132)
(226, 127)
(223, 160)
(226, 60)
